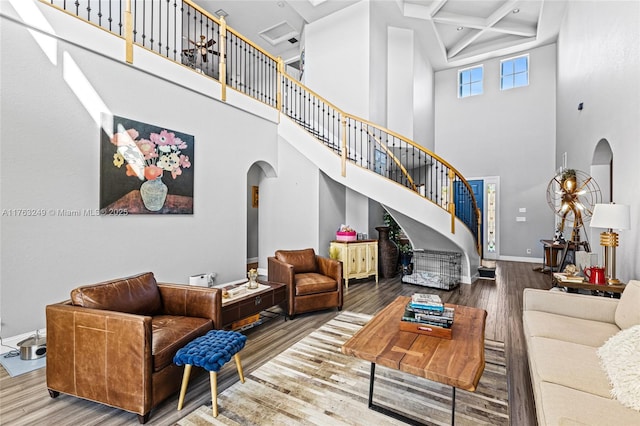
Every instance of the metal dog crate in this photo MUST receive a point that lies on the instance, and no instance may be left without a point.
(436, 269)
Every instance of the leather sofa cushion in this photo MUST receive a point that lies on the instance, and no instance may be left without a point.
(627, 313)
(138, 295)
(313, 283)
(171, 333)
(302, 260)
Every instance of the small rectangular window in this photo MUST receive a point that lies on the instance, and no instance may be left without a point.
(514, 72)
(470, 82)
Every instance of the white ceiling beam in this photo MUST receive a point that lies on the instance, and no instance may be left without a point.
(492, 20)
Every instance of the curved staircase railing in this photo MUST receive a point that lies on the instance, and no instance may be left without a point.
(185, 33)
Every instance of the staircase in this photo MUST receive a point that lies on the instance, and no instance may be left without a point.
(429, 198)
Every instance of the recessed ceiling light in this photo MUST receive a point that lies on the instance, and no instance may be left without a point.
(459, 28)
(516, 10)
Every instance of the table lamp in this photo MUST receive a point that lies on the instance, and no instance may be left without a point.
(611, 216)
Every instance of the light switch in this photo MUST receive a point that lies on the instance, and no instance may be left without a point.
(523, 210)
(521, 219)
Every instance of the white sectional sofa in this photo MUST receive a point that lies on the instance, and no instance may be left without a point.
(563, 332)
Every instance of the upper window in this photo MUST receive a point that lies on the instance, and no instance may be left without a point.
(514, 72)
(470, 82)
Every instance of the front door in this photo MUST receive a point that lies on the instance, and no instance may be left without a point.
(478, 192)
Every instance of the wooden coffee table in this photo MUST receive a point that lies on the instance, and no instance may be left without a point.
(458, 362)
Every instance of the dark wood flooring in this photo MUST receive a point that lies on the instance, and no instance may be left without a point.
(24, 399)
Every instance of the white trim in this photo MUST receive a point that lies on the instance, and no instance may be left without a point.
(521, 259)
(252, 260)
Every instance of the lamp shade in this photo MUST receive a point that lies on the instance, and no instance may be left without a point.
(611, 216)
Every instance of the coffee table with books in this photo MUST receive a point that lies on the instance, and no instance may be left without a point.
(457, 361)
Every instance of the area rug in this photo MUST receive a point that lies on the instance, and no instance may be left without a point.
(313, 383)
(16, 366)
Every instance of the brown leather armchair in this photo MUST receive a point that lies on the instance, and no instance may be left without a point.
(313, 282)
(114, 342)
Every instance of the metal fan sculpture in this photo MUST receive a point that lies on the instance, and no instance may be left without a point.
(201, 48)
(572, 195)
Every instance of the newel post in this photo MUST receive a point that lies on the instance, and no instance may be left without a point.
(223, 54)
(452, 206)
(128, 32)
(280, 72)
(343, 140)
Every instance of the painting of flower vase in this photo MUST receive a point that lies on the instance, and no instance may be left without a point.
(144, 169)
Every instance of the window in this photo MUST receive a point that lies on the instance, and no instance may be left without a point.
(470, 82)
(514, 72)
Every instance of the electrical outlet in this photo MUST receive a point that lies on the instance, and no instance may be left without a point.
(528, 251)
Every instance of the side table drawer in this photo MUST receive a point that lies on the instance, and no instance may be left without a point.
(256, 304)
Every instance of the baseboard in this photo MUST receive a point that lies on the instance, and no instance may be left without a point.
(13, 341)
(521, 259)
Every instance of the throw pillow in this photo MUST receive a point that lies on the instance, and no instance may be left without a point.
(620, 358)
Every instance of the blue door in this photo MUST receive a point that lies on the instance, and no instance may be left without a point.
(477, 187)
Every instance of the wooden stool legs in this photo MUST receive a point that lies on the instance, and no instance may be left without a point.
(185, 382)
(213, 378)
(236, 357)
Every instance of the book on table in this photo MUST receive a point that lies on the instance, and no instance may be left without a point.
(564, 277)
(428, 302)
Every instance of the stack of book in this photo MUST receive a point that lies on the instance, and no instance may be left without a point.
(428, 309)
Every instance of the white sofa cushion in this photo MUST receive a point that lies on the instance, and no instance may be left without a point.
(620, 357)
(562, 403)
(628, 310)
(569, 364)
(569, 329)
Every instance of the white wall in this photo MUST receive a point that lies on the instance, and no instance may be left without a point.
(423, 99)
(337, 58)
(50, 160)
(289, 205)
(599, 64)
(510, 134)
(400, 72)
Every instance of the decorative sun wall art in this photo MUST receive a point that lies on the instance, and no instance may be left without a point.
(144, 169)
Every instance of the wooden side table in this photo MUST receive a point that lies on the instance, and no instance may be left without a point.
(359, 258)
(613, 290)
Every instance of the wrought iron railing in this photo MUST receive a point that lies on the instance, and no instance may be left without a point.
(187, 34)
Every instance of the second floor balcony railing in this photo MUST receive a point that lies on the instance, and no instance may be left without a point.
(185, 33)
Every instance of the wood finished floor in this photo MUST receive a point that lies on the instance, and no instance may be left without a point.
(24, 399)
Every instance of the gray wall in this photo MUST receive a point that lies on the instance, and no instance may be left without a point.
(50, 160)
(332, 211)
(510, 134)
(599, 64)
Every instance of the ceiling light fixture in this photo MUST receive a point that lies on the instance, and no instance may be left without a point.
(459, 28)
(516, 10)
(221, 13)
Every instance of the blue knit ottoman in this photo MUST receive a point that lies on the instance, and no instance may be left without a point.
(211, 352)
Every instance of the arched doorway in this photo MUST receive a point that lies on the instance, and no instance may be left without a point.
(602, 171)
(256, 173)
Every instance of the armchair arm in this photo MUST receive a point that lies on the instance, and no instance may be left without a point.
(331, 268)
(582, 306)
(191, 301)
(111, 350)
(281, 272)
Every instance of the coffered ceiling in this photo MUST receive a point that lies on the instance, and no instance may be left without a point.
(452, 32)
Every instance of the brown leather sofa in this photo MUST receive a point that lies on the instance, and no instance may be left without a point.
(114, 342)
(313, 282)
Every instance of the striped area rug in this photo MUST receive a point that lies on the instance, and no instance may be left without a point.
(313, 383)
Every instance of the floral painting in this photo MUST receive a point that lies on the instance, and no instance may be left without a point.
(145, 169)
